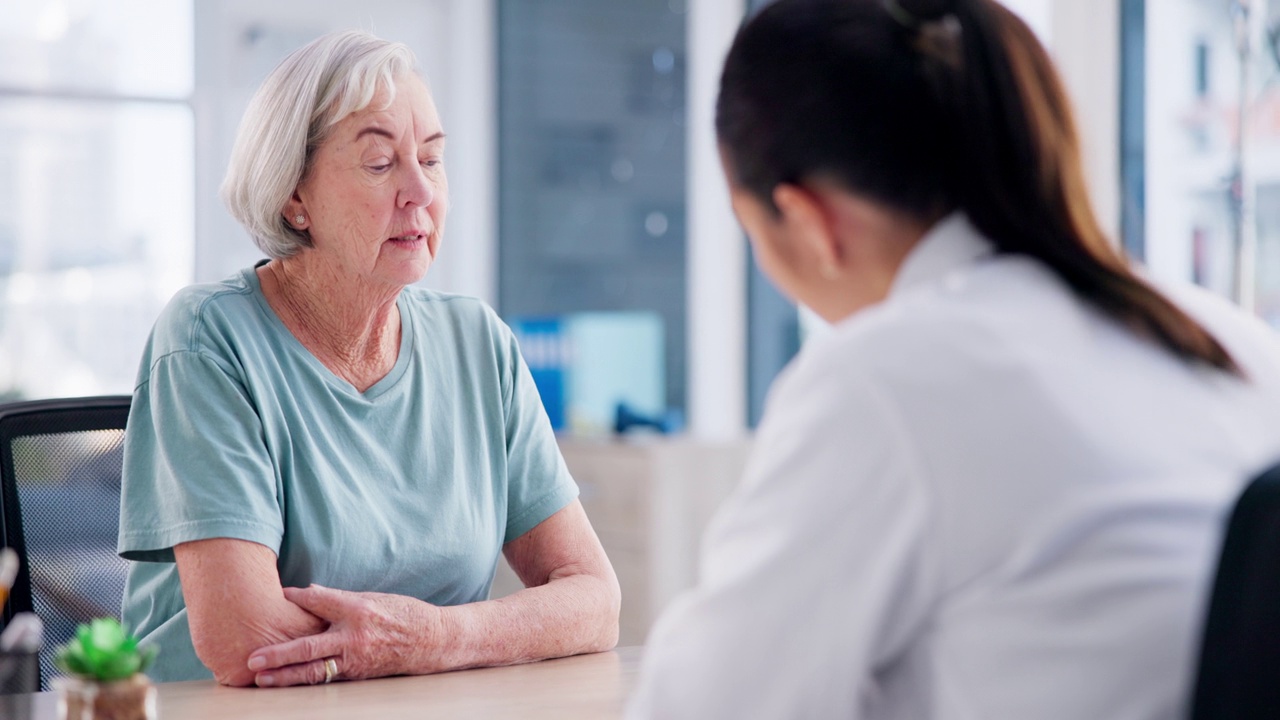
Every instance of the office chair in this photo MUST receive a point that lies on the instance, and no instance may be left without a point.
(60, 464)
(1239, 673)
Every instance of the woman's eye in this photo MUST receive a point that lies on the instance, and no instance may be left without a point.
(380, 167)
(431, 162)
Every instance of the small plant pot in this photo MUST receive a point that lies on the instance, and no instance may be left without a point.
(133, 698)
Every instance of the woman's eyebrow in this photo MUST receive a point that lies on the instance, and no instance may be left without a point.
(375, 130)
(383, 132)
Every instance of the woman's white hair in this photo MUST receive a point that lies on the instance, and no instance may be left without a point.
(291, 116)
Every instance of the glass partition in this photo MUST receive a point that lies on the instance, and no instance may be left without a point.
(591, 188)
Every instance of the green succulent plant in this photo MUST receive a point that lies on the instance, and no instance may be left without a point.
(103, 651)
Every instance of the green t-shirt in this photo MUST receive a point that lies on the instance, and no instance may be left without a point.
(411, 487)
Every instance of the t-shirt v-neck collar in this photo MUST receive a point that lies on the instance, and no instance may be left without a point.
(376, 390)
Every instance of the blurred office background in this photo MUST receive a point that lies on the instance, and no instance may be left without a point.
(587, 201)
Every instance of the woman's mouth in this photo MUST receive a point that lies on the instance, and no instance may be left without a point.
(409, 241)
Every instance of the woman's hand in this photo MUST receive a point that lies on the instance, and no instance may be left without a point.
(369, 635)
(569, 606)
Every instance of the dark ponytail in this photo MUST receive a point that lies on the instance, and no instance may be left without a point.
(928, 106)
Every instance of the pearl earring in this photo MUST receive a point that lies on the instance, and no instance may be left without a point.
(299, 219)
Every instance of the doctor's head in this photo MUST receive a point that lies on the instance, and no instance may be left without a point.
(848, 128)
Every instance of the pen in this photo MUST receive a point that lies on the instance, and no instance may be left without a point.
(8, 572)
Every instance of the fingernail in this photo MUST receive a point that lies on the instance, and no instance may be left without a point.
(257, 663)
(266, 680)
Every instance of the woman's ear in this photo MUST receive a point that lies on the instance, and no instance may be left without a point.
(294, 208)
(810, 225)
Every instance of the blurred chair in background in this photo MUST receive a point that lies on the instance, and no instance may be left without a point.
(1239, 673)
(60, 463)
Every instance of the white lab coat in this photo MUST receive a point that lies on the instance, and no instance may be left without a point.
(978, 500)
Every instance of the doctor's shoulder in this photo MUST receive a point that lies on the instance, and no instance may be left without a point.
(1253, 343)
(903, 341)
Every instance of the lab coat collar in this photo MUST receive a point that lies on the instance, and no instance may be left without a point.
(950, 244)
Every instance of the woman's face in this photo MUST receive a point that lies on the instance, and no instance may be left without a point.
(376, 196)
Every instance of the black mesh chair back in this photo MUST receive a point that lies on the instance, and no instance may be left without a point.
(1239, 672)
(60, 464)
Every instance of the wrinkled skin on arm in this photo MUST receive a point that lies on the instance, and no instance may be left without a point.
(570, 606)
(235, 604)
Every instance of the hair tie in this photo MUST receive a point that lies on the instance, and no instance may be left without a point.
(900, 14)
(942, 39)
(939, 38)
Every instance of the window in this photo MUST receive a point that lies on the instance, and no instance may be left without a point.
(1202, 198)
(96, 197)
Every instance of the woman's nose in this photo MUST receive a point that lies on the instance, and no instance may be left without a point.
(416, 187)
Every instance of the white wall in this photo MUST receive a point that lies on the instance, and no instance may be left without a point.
(1083, 36)
(717, 249)
(239, 41)
(1036, 13)
(1085, 42)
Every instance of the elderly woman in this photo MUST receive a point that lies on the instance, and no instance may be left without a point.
(323, 462)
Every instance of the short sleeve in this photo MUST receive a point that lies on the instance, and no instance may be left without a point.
(195, 463)
(538, 482)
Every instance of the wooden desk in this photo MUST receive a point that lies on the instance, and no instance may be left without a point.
(586, 686)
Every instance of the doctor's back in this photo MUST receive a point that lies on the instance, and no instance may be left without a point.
(979, 499)
(996, 488)
(1028, 500)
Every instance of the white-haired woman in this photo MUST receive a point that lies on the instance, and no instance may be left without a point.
(323, 463)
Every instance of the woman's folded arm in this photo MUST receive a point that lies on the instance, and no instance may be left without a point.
(570, 603)
(235, 604)
(570, 606)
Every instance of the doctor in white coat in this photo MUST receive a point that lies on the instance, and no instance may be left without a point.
(995, 490)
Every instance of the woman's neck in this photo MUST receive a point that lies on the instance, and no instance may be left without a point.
(352, 329)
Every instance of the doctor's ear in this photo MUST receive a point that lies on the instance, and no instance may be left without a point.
(805, 218)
